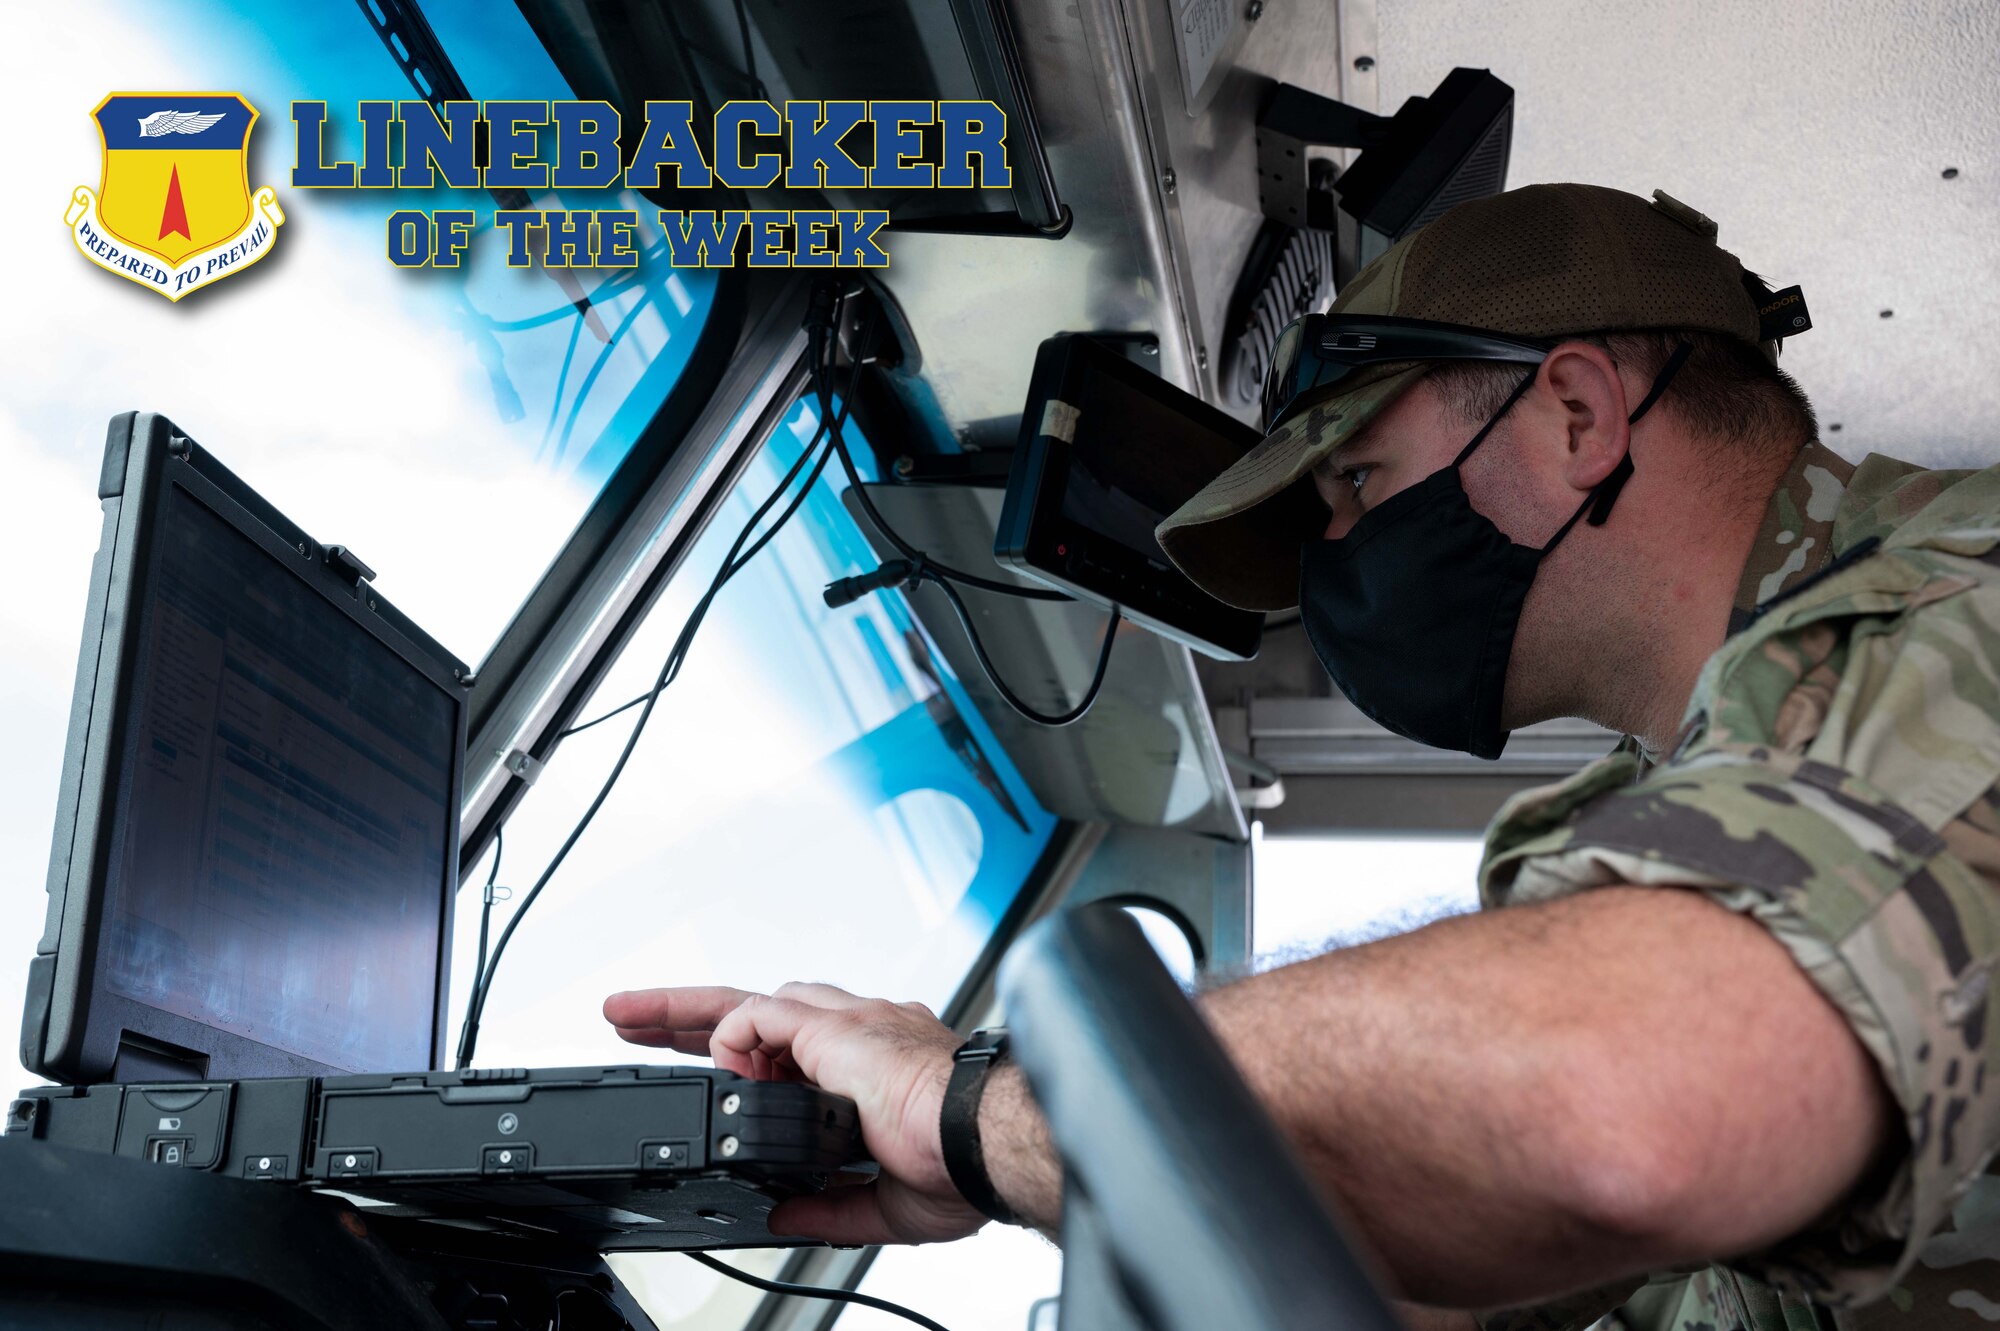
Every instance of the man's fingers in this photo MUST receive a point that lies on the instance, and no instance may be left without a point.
(692, 1008)
(681, 1042)
(890, 1058)
(773, 1027)
(819, 995)
(768, 1067)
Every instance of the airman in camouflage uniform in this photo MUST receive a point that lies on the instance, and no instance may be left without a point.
(1838, 780)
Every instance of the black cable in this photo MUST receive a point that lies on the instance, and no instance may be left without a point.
(826, 423)
(832, 422)
(895, 538)
(1008, 695)
(814, 1291)
(920, 567)
(733, 562)
(476, 1007)
(486, 909)
(619, 710)
(749, 53)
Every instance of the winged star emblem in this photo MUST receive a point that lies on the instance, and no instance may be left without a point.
(175, 122)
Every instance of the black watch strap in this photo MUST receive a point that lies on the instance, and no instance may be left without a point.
(958, 1127)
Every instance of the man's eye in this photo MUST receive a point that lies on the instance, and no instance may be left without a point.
(1357, 477)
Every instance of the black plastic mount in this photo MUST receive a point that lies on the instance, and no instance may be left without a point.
(1435, 151)
(1292, 121)
(989, 467)
(1438, 151)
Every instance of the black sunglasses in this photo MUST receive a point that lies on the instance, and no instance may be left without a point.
(1318, 351)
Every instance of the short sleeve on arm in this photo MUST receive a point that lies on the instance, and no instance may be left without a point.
(1571, 1312)
(1842, 796)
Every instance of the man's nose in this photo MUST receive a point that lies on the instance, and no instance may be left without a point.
(1339, 524)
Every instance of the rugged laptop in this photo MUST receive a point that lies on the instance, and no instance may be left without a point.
(250, 905)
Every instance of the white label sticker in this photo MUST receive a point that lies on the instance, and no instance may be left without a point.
(1059, 421)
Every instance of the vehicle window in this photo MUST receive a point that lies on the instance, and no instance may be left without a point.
(1318, 893)
(815, 798)
(988, 1282)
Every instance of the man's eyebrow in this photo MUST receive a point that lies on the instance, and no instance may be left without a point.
(1347, 449)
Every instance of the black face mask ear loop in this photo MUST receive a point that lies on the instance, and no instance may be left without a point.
(1494, 419)
(1599, 501)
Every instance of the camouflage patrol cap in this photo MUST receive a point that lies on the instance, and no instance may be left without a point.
(1540, 261)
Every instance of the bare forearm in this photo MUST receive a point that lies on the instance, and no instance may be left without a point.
(1515, 1104)
(1019, 1156)
(1547, 1097)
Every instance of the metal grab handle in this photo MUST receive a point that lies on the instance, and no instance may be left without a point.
(1184, 1209)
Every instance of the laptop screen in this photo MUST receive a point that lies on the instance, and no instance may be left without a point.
(286, 812)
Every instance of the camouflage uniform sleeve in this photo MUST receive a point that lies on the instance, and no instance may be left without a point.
(1838, 786)
(1571, 1312)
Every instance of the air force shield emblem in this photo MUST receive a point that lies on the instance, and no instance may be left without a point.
(174, 210)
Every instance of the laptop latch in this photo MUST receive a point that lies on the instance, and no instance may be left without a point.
(351, 570)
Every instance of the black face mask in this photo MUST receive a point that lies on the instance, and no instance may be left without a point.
(1413, 612)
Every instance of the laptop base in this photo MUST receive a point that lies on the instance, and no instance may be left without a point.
(630, 1158)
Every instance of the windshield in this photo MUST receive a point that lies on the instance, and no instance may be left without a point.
(815, 797)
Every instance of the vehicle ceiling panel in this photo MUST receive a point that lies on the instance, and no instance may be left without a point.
(1817, 135)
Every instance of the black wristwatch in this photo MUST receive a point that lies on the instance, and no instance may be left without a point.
(958, 1127)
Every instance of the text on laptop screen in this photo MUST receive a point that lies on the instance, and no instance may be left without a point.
(285, 813)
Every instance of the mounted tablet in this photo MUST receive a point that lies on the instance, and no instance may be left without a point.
(1108, 449)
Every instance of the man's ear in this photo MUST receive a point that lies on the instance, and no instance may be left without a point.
(1586, 395)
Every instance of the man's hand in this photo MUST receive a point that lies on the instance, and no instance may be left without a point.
(891, 1059)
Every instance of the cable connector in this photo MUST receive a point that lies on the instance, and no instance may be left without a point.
(893, 573)
(820, 304)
